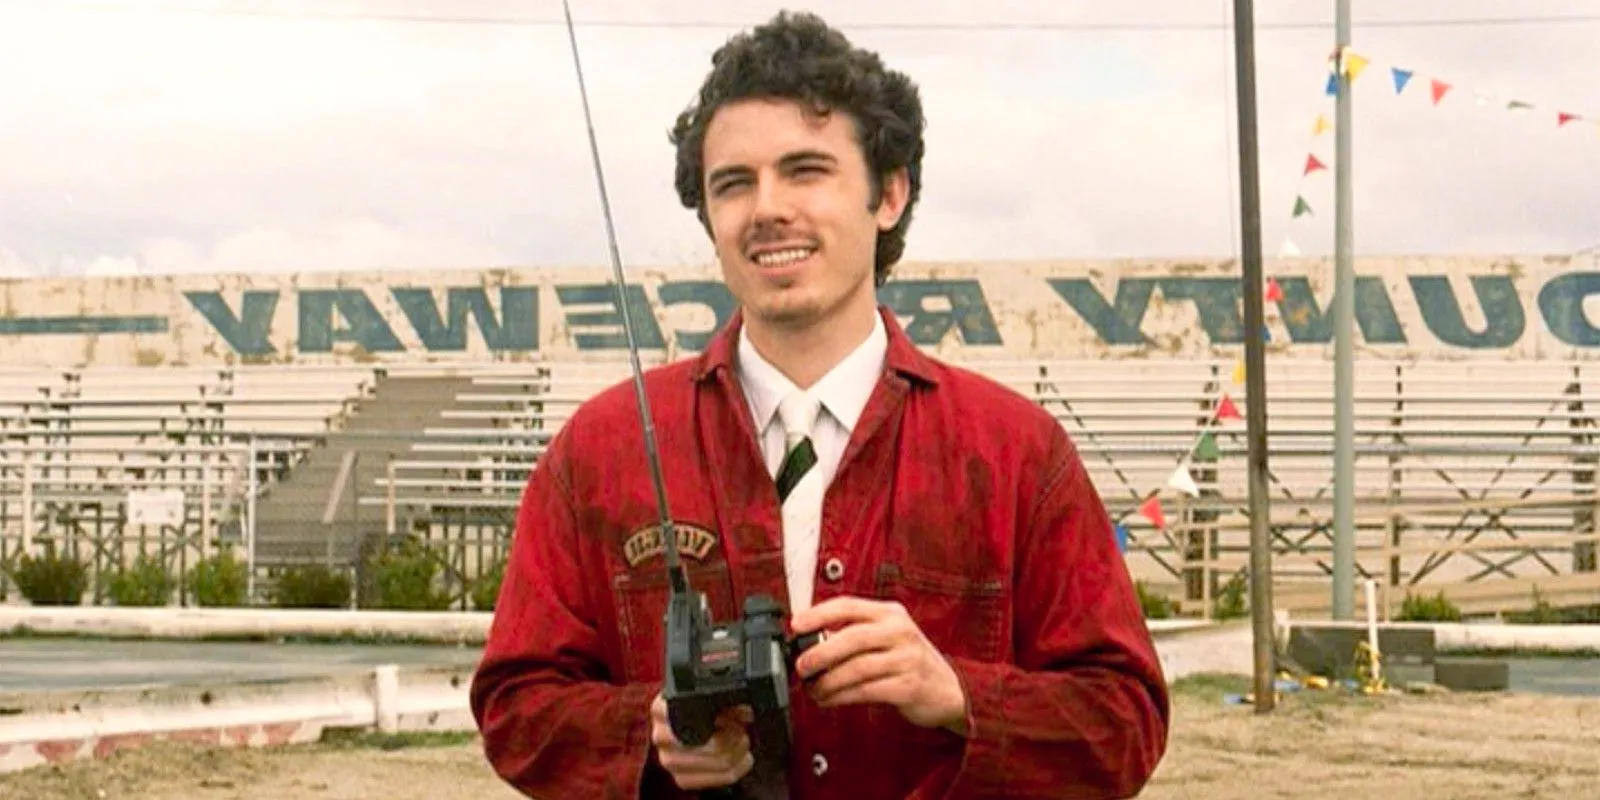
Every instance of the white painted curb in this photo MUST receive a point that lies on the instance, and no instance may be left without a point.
(1458, 636)
(49, 727)
(439, 627)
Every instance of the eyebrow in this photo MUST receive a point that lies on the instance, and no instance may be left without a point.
(789, 159)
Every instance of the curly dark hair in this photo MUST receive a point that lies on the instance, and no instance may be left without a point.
(799, 57)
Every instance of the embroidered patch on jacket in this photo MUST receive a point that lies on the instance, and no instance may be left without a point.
(693, 542)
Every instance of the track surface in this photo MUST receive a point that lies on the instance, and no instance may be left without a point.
(49, 663)
(1315, 747)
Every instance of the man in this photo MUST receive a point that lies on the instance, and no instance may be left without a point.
(984, 636)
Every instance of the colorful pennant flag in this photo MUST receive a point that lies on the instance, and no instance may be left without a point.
(1347, 61)
(1227, 410)
(1354, 64)
(1151, 509)
(1181, 478)
(1401, 78)
(1439, 90)
(1183, 481)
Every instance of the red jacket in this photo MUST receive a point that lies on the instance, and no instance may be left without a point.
(957, 497)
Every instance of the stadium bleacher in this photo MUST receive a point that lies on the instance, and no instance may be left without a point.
(75, 442)
(442, 453)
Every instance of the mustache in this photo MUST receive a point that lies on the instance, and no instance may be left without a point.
(770, 234)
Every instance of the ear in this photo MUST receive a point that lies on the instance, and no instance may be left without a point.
(892, 203)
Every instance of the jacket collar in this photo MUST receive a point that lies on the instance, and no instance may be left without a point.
(902, 357)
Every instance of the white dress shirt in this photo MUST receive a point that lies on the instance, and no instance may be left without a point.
(844, 392)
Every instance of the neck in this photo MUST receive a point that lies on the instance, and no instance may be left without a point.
(805, 353)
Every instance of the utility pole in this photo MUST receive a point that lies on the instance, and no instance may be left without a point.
(1344, 303)
(1255, 357)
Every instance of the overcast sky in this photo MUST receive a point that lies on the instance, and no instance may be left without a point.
(149, 137)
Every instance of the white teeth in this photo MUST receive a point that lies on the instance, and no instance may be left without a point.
(781, 257)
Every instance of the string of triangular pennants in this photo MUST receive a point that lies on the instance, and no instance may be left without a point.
(1204, 447)
(1438, 92)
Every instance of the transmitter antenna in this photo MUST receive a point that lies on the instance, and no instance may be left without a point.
(669, 535)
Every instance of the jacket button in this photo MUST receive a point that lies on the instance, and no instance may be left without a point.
(819, 765)
(833, 570)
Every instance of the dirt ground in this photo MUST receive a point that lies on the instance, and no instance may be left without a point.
(1315, 745)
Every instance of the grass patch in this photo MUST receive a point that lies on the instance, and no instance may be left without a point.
(1527, 652)
(367, 739)
(1211, 687)
(378, 640)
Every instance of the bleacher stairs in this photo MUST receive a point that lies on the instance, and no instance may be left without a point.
(289, 527)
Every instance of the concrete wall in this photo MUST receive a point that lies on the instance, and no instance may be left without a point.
(1521, 308)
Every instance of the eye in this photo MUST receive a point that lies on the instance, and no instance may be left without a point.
(723, 186)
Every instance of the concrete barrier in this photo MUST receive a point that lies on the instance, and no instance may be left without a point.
(1479, 636)
(49, 727)
(431, 627)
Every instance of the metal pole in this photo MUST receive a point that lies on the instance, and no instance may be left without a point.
(1344, 303)
(253, 481)
(1254, 356)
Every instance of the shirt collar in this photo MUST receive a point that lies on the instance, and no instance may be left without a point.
(844, 390)
(903, 359)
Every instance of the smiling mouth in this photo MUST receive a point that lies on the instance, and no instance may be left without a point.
(782, 258)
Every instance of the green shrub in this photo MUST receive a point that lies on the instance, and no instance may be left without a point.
(1428, 609)
(486, 589)
(221, 580)
(146, 583)
(1232, 600)
(1155, 605)
(405, 578)
(52, 579)
(311, 586)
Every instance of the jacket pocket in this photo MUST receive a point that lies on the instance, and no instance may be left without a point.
(641, 598)
(962, 615)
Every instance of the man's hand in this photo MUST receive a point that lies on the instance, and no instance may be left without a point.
(875, 653)
(722, 761)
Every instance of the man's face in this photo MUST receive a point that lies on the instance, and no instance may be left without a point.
(787, 195)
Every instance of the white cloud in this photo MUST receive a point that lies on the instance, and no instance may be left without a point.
(158, 141)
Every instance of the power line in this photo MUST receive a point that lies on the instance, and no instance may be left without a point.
(968, 26)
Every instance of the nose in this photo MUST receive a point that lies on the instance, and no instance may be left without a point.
(772, 202)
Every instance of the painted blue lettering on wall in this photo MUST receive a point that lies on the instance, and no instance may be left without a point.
(1116, 322)
(246, 332)
(517, 327)
(81, 325)
(968, 310)
(362, 324)
(1561, 302)
(1218, 302)
(936, 311)
(711, 294)
(1310, 323)
(1441, 310)
(646, 330)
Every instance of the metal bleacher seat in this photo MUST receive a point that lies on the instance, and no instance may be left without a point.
(75, 442)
